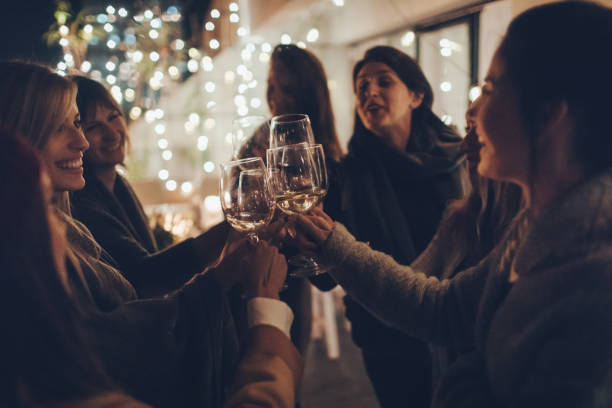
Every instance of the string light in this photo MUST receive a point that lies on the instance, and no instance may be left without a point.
(285, 39)
(167, 155)
(214, 44)
(110, 9)
(179, 44)
(242, 31)
(88, 28)
(162, 143)
(135, 112)
(446, 86)
(214, 13)
(63, 42)
(192, 65)
(154, 56)
(130, 95)
(474, 93)
(408, 38)
(148, 14)
(313, 35)
(174, 72)
(209, 26)
(64, 30)
(233, 7)
(209, 167)
(153, 34)
(202, 143)
(86, 66)
(209, 87)
(160, 129)
(163, 174)
(111, 44)
(194, 118)
(187, 187)
(170, 185)
(234, 18)
(156, 23)
(122, 12)
(111, 79)
(255, 103)
(108, 27)
(149, 116)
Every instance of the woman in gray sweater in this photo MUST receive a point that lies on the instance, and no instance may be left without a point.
(539, 305)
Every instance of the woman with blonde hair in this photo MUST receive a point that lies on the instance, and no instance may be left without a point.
(175, 351)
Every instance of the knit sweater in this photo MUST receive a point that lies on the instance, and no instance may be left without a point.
(543, 341)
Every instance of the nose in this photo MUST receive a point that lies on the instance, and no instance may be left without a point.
(78, 140)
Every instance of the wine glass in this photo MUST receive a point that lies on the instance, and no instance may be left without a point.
(250, 136)
(290, 129)
(246, 198)
(292, 177)
(298, 179)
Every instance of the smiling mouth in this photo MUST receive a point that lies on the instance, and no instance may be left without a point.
(70, 164)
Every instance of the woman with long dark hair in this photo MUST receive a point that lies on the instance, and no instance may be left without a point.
(403, 166)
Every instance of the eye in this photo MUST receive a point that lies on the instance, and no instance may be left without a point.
(362, 86)
(78, 124)
(113, 116)
(384, 81)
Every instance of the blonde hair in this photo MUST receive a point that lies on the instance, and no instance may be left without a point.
(34, 102)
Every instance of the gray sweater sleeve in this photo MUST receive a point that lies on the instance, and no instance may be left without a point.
(437, 311)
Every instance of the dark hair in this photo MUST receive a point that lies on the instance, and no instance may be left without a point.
(410, 73)
(535, 58)
(45, 352)
(480, 218)
(309, 88)
(90, 95)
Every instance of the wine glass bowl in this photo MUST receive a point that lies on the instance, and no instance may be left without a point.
(290, 129)
(245, 194)
(293, 178)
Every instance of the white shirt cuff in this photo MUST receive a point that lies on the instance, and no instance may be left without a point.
(273, 312)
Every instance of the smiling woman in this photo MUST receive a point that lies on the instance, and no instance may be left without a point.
(110, 209)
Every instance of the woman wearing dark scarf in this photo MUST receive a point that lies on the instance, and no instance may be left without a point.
(110, 209)
(403, 166)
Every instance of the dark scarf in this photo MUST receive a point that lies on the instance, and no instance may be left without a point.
(123, 204)
(379, 183)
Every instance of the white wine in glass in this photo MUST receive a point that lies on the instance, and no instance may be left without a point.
(293, 178)
(246, 198)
